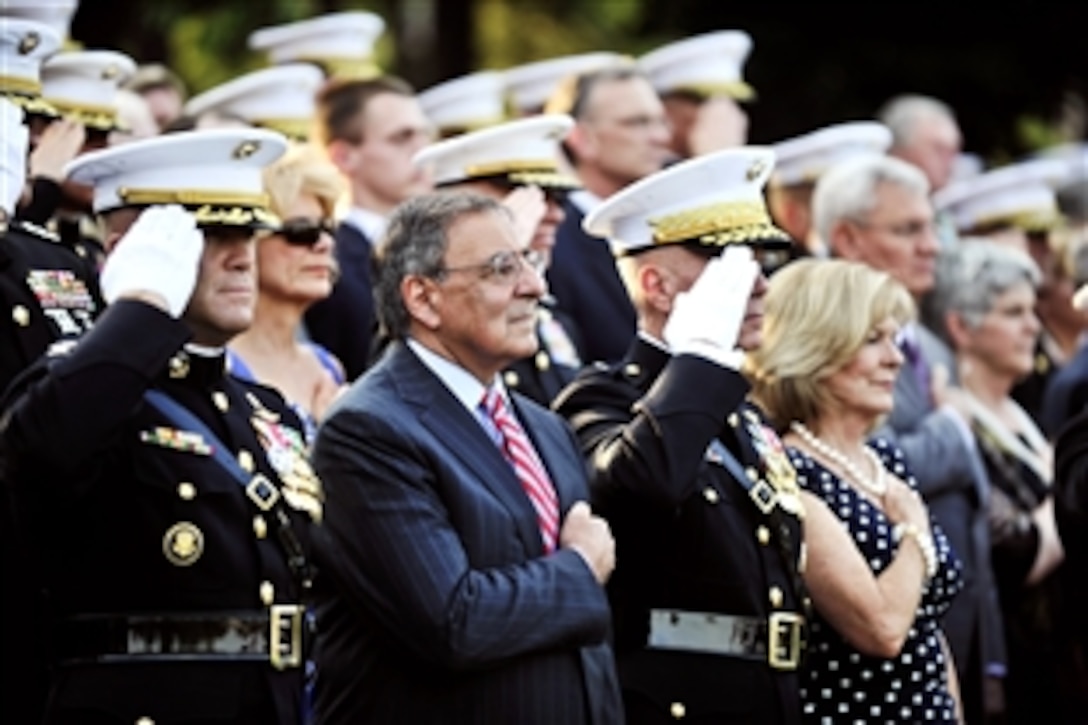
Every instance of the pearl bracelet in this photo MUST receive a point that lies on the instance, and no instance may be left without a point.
(925, 545)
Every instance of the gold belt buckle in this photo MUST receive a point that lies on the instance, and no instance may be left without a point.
(784, 640)
(285, 635)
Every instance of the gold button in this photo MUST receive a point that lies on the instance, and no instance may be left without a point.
(511, 379)
(733, 420)
(245, 460)
(186, 491)
(710, 494)
(260, 527)
(21, 315)
(221, 401)
(145, 721)
(752, 473)
(81, 252)
(179, 366)
(678, 710)
(268, 593)
(763, 535)
(633, 370)
(775, 595)
(543, 362)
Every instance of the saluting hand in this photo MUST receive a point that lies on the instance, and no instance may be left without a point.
(157, 260)
(591, 537)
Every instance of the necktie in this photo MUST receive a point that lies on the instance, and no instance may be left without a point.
(530, 471)
(912, 351)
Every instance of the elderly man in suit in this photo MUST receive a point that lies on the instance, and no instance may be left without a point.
(876, 210)
(467, 571)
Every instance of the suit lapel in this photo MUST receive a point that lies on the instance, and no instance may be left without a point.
(444, 416)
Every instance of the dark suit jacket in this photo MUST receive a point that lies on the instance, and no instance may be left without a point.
(345, 322)
(444, 607)
(1066, 395)
(587, 286)
(688, 536)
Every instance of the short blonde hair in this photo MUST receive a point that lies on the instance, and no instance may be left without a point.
(818, 314)
(304, 169)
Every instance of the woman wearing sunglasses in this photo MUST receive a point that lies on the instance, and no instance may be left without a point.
(296, 268)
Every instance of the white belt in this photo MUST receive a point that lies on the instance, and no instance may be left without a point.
(777, 640)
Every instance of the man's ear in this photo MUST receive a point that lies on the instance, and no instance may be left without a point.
(422, 298)
(342, 155)
(845, 242)
(582, 142)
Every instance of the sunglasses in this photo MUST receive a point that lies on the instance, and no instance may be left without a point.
(304, 232)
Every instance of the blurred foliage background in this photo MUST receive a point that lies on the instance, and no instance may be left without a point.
(1016, 73)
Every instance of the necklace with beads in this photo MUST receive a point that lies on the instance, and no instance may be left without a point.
(878, 485)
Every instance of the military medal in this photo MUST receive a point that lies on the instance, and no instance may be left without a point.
(780, 472)
(286, 453)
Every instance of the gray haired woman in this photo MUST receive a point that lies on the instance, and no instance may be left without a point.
(984, 304)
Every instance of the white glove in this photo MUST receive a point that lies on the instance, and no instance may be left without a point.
(159, 254)
(14, 142)
(706, 320)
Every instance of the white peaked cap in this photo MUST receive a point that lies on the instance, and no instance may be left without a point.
(24, 45)
(216, 173)
(710, 64)
(83, 84)
(341, 43)
(466, 103)
(708, 201)
(529, 86)
(57, 14)
(803, 159)
(522, 152)
(1020, 194)
(281, 98)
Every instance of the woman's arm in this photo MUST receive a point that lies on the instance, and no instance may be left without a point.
(873, 613)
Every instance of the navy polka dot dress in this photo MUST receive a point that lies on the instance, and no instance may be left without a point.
(841, 685)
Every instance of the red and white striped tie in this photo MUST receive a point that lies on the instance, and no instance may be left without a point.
(528, 467)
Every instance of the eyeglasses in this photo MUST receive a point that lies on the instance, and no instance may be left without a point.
(504, 268)
(904, 230)
(301, 232)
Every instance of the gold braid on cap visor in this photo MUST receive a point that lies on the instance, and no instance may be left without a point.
(737, 90)
(1038, 220)
(102, 118)
(226, 208)
(530, 172)
(732, 222)
(342, 67)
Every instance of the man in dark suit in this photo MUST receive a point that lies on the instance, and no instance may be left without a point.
(876, 210)
(466, 570)
(167, 502)
(620, 136)
(708, 603)
(491, 161)
(371, 129)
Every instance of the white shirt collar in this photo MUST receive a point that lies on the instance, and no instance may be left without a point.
(586, 201)
(463, 384)
(368, 222)
(653, 341)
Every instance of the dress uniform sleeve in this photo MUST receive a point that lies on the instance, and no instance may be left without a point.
(72, 407)
(653, 445)
(45, 198)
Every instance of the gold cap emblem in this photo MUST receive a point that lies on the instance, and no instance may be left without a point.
(29, 42)
(246, 149)
(756, 169)
(183, 544)
(110, 72)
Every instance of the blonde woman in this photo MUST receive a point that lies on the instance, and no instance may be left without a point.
(296, 268)
(880, 574)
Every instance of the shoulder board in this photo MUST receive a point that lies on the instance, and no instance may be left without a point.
(34, 230)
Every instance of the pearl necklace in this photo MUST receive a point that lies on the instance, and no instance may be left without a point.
(879, 486)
